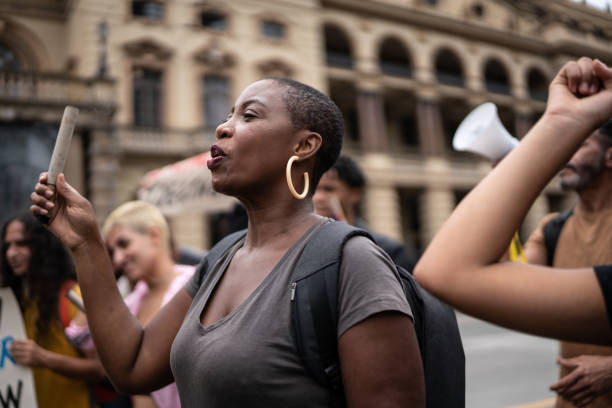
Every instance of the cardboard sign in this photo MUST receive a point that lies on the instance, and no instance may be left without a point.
(16, 382)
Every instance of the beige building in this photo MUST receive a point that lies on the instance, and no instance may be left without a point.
(153, 78)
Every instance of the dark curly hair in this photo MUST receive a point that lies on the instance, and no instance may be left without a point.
(50, 266)
(312, 110)
(349, 172)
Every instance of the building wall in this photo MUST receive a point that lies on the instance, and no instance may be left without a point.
(412, 187)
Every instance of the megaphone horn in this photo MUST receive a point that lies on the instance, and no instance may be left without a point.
(482, 132)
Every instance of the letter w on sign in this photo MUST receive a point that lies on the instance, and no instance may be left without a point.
(8, 399)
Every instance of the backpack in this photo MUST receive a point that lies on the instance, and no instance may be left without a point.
(314, 315)
(552, 231)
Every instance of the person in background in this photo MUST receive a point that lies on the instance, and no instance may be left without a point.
(339, 196)
(39, 270)
(583, 238)
(138, 240)
(460, 265)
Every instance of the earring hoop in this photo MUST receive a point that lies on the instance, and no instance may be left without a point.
(290, 181)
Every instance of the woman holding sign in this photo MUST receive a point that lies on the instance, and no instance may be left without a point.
(38, 269)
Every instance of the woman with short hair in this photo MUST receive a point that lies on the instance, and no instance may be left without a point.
(227, 338)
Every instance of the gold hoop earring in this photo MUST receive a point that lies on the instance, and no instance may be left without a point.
(290, 182)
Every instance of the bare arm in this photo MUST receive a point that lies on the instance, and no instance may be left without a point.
(381, 364)
(137, 360)
(460, 263)
(28, 353)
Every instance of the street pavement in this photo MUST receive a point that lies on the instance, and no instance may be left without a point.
(505, 368)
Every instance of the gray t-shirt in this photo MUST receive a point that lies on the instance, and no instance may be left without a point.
(249, 358)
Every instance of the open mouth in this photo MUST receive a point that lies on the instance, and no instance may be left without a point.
(217, 155)
(216, 151)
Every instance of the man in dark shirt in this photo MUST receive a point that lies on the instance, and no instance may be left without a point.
(338, 196)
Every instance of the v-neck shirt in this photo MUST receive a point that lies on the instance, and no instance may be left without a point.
(249, 357)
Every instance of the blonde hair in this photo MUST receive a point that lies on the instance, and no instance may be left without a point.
(139, 216)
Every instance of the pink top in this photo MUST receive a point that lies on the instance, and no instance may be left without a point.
(166, 397)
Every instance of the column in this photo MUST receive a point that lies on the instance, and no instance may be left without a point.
(372, 123)
(436, 205)
(103, 171)
(430, 128)
(438, 200)
(382, 210)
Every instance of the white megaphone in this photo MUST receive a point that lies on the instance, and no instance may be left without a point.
(482, 132)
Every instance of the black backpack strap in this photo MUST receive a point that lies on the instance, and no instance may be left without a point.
(218, 251)
(552, 231)
(314, 296)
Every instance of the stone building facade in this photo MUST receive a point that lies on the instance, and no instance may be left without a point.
(153, 78)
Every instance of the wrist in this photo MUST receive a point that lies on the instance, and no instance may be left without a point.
(44, 358)
(88, 246)
(566, 124)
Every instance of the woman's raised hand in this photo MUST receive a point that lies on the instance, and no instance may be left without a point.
(71, 216)
(581, 94)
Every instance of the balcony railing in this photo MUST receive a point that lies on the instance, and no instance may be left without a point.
(49, 89)
(141, 140)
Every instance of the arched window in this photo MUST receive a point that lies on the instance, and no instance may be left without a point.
(496, 77)
(8, 60)
(448, 68)
(337, 48)
(537, 84)
(393, 58)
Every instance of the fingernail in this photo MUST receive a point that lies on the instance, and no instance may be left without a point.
(43, 211)
(49, 193)
(584, 87)
(49, 205)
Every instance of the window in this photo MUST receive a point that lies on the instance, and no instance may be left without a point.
(537, 84)
(393, 58)
(272, 29)
(448, 68)
(496, 77)
(214, 20)
(8, 61)
(147, 97)
(478, 9)
(337, 48)
(216, 100)
(148, 9)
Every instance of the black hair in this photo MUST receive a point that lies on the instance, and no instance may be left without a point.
(349, 172)
(312, 110)
(605, 134)
(50, 266)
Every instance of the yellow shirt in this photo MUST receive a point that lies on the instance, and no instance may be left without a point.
(54, 390)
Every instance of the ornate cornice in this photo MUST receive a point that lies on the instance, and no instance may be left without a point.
(547, 13)
(147, 47)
